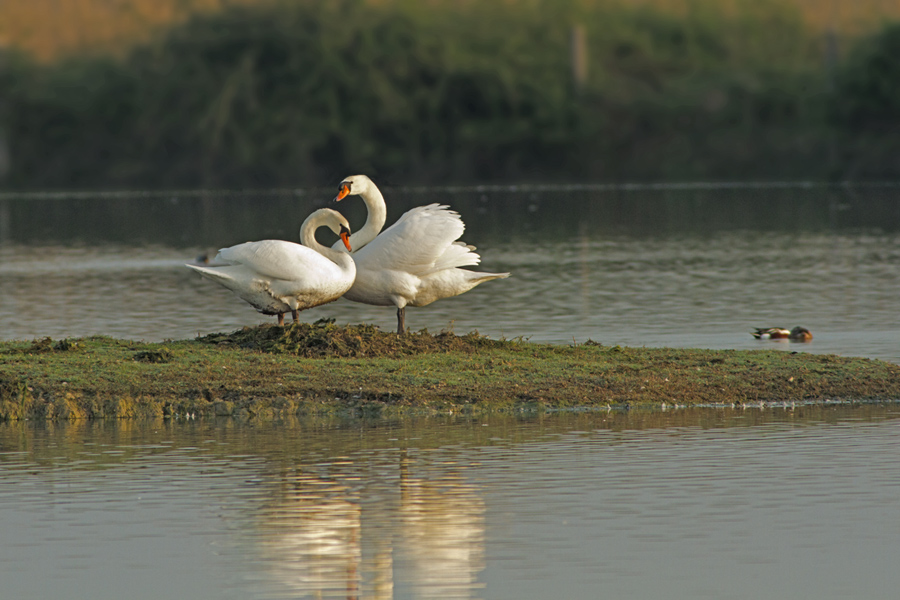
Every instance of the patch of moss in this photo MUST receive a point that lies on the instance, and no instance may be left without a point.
(161, 355)
(47, 344)
(67, 345)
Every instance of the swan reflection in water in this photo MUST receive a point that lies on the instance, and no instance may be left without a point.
(443, 534)
(346, 537)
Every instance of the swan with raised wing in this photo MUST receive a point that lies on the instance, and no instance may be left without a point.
(276, 277)
(415, 261)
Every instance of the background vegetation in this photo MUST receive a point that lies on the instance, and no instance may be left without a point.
(263, 94)
(52, 29)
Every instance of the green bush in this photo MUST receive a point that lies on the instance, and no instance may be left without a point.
(866, 107)
(869, 83)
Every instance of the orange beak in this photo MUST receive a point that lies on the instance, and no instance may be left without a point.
(342, 192)
(345, 237)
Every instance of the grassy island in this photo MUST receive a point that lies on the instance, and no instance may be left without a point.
(270, 372)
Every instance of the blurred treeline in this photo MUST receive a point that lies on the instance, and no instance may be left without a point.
(49, 29)
(304, 92)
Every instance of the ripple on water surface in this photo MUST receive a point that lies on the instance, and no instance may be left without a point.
(675, 267)
(685, 504)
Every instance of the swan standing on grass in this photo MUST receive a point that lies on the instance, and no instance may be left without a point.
(276, 277)
(415, 261)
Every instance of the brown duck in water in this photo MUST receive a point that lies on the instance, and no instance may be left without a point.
(797, 334)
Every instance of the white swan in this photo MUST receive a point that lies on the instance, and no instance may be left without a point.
(415, 261)
(276, 276)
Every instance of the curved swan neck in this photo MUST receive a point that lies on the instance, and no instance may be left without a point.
(308, 239)
(375, 220)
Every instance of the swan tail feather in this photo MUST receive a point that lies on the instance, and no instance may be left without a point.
(220, 275)
(449, 283)
(489, 277)
(457, 254)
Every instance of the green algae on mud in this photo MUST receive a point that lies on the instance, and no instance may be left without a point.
(322, 368)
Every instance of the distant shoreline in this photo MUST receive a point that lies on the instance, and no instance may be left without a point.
(274, 94)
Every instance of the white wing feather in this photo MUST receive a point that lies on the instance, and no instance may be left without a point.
(421, 241)
(274, 259)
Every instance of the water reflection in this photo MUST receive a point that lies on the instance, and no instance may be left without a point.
(442, 527)
(187, 219)
(345, 534)
(310, 538)
(684, 504)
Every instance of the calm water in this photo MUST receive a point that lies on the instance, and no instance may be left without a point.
(754, 503)
(681, 267)
(689, 504)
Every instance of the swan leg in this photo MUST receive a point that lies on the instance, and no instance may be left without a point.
(281, 319)
(401, 321)
(296, 315)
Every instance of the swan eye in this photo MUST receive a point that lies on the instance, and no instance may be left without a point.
(345, 230)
